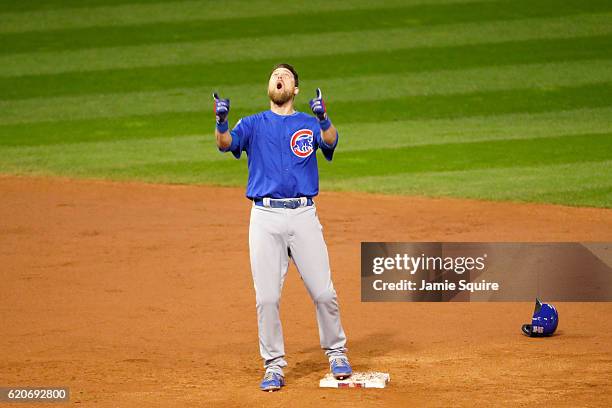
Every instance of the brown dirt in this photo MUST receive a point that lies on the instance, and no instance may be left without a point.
(141, 295)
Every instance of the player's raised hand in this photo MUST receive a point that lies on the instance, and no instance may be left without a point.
(222, 107)
(318, 106)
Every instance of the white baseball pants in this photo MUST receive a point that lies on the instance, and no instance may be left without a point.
(275, 235)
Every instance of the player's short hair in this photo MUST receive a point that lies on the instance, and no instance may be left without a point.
(290, 68)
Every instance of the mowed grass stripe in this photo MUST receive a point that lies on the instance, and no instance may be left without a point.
(297, 45)
(413, 107)
(312, 21)
(364, 88)
(73, 14)
(84, 157)
(40, 8)
(580, 184)
(476, 155)
(349, 166)
(531, 100)
(344, 66)
(363, 136)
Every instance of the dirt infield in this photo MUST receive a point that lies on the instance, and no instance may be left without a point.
(140, 295)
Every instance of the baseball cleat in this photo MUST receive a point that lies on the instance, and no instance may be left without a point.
(272, 382)
(340, 367)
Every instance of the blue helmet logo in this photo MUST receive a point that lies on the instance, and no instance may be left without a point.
(544, 321)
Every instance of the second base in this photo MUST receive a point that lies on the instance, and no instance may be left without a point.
(357, 380)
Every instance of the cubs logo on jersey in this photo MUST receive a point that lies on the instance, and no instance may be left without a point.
(302, 143)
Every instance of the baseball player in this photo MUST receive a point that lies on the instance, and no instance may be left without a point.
(281, 145)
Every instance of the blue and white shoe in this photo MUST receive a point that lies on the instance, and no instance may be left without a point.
(340, 367)
(272, 381)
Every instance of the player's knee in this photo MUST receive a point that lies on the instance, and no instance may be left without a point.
(327, 296)
(268, 301)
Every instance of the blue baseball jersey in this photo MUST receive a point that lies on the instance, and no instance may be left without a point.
(281, 152)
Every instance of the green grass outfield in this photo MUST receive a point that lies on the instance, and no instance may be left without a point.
(499, 100)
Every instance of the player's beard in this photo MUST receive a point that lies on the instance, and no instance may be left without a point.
(280, 96)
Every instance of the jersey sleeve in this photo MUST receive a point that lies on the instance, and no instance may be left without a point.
(241, 136)
(327, 150)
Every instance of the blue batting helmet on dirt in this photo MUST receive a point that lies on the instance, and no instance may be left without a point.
(544, 322)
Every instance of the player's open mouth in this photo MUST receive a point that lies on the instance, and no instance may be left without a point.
(279, 85)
